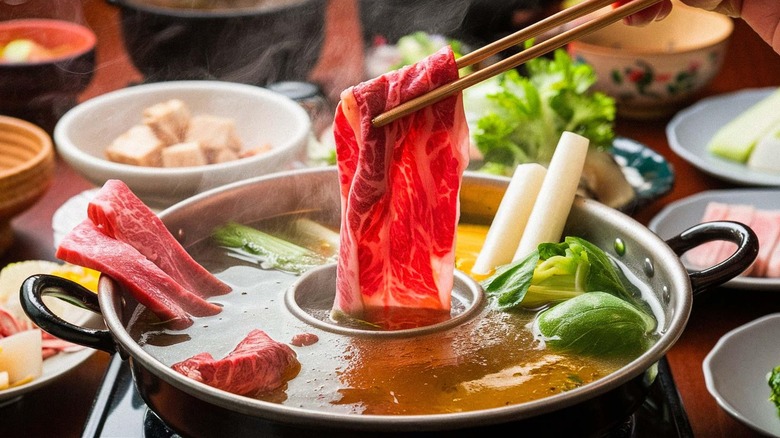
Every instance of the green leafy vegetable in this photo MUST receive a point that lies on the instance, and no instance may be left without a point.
(273, 251)
(416, 46)
(553, 273)
(774, 383)
(521, 118)
(316, 236)
(596, 323)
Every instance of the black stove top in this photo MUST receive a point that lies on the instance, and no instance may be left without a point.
(119, 411)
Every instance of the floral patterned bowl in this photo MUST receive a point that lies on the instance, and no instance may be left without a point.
(653, 71)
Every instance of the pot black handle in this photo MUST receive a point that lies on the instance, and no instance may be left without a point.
(31, 296)
(741, 259)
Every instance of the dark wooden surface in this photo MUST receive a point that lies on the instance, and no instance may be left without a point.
(62, 407)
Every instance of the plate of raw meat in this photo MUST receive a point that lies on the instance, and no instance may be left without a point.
(757, 208)
(23, 374)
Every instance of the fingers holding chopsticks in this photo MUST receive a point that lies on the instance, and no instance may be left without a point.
(656, 12)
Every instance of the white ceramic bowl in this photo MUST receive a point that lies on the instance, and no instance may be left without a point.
(735, 373)
(261, 117)
(654, 70)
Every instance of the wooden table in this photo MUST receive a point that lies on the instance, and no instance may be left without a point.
(62, 407)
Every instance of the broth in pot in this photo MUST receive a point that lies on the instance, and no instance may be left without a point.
(483, 358)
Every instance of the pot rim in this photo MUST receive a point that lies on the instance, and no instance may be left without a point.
(664, 255)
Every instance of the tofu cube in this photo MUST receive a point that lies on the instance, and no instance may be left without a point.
(258, 150)
(224, 155)
(214, 134)
(169, 120)
(138, 146)
(183, 155)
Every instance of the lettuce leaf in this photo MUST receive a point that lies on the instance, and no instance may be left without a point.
(522, 117)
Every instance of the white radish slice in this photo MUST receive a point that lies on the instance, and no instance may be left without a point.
(556, 195)
(507, 227)
(20, 355)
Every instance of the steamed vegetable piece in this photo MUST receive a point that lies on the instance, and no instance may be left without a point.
(773, 379)
(272, 251)
(555, 272)
(596, 323)
(23, 347)
(512, 215)
(553, 203)
(316, 236)
(764, 156)
(736, 139)
(522, 118)
(535, 206)
(20, 357)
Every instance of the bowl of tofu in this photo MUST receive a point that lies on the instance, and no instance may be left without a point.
(171, 140)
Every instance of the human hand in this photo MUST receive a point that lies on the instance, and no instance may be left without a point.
(658, 11)
(762, 15)
(732, 8)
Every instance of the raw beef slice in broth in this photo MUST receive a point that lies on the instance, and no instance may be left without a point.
(399, 191)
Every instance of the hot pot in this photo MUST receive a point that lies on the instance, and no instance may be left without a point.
(194, 409)
(251, 42)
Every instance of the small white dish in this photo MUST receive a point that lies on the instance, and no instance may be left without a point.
(736, 369)
(57, 365)
(71, 213)
(687, 212)
(691, 129)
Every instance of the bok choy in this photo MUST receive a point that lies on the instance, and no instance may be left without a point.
(590, 310)
(596, 323)
(555, 272)
(272, 251)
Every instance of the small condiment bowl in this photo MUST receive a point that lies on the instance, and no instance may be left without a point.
(42, 89)
(26, 171)
(653, 71)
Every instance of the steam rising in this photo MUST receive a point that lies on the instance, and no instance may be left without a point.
(272, 41)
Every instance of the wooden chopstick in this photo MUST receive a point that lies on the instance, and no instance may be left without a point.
(513, 61)
(532, 31)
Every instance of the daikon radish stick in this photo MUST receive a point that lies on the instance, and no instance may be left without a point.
(556, 195)
(507, 227)
(20, 355)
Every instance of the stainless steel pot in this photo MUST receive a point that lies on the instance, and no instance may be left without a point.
(194, 409)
